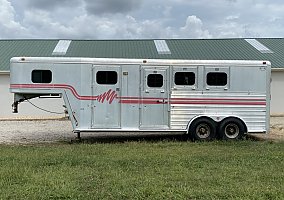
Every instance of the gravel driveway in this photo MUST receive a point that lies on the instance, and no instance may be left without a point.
(37, 131)
(49, 131)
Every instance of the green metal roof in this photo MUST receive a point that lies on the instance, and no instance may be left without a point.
(193, 49)
(13, 48)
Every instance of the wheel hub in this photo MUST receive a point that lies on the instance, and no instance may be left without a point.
(203, 131)
(232, 130)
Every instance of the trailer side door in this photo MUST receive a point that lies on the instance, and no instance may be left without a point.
(154, 112)
(106, 88)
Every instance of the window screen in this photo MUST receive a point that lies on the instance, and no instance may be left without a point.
(41, 76)
(106, 77)
(184, 78)
(155, 80)
(217, 79)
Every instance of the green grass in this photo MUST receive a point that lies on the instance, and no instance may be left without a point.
(143, 170)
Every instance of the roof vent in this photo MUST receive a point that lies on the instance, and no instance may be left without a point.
(61, 48)
(162, 47)
(260, 47)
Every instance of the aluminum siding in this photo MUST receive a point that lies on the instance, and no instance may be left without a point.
(253, 115)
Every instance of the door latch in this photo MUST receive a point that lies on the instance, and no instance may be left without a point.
(162, 101)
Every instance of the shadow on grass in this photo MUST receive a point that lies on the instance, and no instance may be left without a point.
(91, 138)
(121, 138)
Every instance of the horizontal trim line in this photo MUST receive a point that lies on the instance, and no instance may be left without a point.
(146, 100)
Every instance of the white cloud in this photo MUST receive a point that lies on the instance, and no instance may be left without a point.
(8, 26)
(42, 25)
(98, 7)
(194, 29)
(232, 17)
(131, 19)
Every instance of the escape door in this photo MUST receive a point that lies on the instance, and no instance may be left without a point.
(106, 89)
(154, 112)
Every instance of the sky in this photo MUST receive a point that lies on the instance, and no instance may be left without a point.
(140, 19)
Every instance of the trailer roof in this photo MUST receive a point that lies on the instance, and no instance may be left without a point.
(271, 49)
(126, 61)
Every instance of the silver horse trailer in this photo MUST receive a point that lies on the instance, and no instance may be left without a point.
(206, 99)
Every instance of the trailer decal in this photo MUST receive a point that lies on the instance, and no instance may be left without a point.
(110, 95)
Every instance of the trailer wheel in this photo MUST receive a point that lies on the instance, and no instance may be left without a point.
(231, 129)
(203, 129)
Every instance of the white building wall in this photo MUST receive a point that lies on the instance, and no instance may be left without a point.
(26, 110)
(277, 92)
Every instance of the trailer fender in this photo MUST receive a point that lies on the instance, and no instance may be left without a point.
(212, 117)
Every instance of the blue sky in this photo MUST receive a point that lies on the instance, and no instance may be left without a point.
(140, 19)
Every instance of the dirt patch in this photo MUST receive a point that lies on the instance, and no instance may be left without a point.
(50, 131)
(276, 130)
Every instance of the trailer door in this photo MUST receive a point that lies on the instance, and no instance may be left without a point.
(105, 88)
(154, 98)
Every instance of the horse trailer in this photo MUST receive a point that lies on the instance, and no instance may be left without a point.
(205, 98)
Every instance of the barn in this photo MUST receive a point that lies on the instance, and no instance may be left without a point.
(271, 49)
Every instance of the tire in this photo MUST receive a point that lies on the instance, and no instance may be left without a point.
(203, 129)
(231, 129)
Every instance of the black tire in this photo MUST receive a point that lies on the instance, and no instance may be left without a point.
(203, 129)
(231, 129)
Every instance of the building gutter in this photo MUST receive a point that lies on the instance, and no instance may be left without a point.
(4, 72)
(277, 69)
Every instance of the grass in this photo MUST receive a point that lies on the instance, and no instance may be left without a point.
(143, 170)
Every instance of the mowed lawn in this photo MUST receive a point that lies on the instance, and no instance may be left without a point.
(143, 170)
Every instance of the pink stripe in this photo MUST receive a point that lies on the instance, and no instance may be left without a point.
(150, 100)
(193, 102)
(195, 99)
(59, 86)
(219, 103)
(141, 101)
(137, 98)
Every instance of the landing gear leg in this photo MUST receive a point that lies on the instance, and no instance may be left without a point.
(78, 138)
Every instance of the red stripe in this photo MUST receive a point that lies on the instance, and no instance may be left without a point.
(195, 99)
(220, 103)
(149, 100)
(52, 86)
(136, 98)
(194, 102)
(141, 101)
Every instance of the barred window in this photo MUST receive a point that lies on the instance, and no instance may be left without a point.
(41, 76)
(106, 77)
(217, 79)
(155, 80)
(184, 78)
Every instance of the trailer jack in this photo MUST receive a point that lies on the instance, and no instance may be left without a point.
(18, 98)
(15, 105)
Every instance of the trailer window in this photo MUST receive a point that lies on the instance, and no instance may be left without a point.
(217, 79)
(184, 78)
(106, 77)
(155, 80)
(41, 76)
